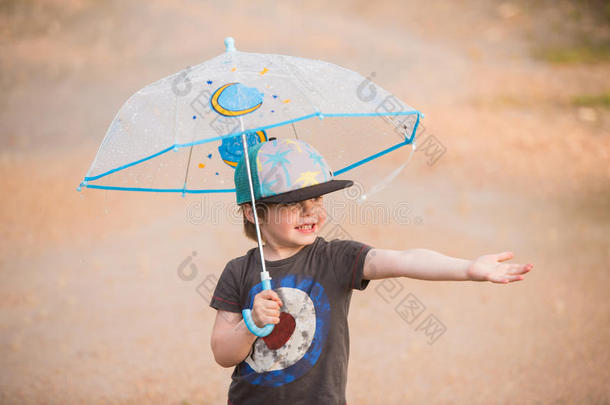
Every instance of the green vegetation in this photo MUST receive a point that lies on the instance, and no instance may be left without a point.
(585, 53)
(570, 31)
(596, 100)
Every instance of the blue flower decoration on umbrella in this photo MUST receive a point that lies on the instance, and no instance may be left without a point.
(231, 150)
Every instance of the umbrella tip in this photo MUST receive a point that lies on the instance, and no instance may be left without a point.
(229, 44)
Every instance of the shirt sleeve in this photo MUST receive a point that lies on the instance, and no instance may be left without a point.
(226, 293)
(347, 257)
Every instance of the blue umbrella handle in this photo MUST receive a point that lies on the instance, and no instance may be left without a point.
(247, 314)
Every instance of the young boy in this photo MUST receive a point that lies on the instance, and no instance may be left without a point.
(304, 359)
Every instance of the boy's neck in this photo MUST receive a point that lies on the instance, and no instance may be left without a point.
(274, 252)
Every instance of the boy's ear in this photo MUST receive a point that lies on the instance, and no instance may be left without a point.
(247, 209)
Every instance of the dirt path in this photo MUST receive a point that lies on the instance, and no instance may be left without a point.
(92, 309)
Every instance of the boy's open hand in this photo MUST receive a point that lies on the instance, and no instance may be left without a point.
(489, 268)
(266, 308)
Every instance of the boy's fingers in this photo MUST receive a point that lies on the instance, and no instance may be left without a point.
(509, 279)
(520, 268)
(272, 313)
(270, 318)
(271, 295)
(267, 299)
(504, 256)
(266, 294)
(275, 297)
(271, 305)
(514, 269)
(273, 302)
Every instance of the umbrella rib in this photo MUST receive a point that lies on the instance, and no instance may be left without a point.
(299, 82)
(295, 131)
(188, 165)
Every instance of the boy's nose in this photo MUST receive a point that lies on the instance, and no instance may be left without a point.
(308, 205)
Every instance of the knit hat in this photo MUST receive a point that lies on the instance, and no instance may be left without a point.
(285, 171)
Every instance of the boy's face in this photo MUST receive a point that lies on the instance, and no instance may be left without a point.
(295, 224)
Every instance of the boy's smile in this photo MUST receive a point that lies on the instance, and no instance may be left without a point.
(307, 228)
(288, 228)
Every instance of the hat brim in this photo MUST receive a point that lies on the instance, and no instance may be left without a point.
(306, 193)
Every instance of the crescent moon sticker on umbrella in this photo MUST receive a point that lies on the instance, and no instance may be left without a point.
(235, 99)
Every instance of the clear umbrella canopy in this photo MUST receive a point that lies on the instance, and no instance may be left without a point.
(183, 133)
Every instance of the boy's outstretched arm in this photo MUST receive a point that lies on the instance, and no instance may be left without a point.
(425, 264)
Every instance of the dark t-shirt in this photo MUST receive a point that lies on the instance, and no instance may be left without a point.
(304, 359)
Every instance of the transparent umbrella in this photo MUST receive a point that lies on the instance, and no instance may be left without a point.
(186, 132)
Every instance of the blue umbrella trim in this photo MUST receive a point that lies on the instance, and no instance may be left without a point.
(87, 179)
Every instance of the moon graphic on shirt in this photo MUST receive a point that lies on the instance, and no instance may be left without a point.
(295, 344)
(296, 328)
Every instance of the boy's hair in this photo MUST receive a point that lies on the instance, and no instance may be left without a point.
(249, 228)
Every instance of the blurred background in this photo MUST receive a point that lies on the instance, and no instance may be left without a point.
(517, 98)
